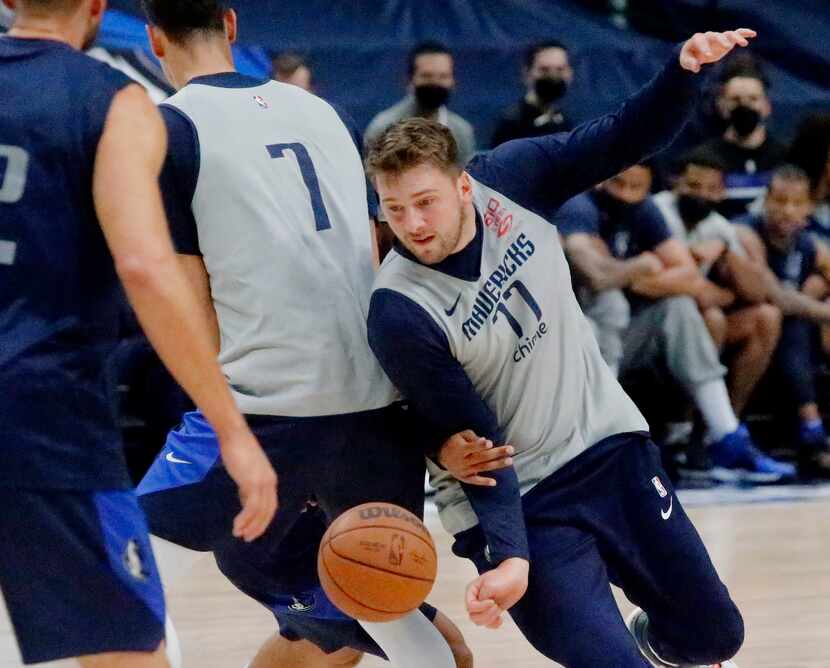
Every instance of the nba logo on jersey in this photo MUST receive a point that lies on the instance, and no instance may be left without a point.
(133, 561)
(261, 101)
(659, 487)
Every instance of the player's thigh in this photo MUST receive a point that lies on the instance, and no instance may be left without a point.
(654, 552)
(78, 574)
(745, 323)
(569, 613)
(380, 458)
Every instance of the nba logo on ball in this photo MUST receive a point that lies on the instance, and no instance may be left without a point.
(377, 562)
(659, 487)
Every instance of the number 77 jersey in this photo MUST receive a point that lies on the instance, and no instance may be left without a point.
(280, 210)
(522, 340)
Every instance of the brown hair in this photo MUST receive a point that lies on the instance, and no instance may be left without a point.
(410, 143)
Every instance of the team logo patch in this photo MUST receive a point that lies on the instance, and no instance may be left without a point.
(261, 102)
(658, 485)
(134, 562)
(302, 603)
(497, 218)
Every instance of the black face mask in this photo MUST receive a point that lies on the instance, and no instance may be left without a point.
(431, 96)
(615, 208)
(693, 209)
(744, 120)
(549, 89)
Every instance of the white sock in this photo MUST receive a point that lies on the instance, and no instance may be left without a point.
(713, 402)
(411, 642)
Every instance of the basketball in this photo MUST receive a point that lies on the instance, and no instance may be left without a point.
(377, 562)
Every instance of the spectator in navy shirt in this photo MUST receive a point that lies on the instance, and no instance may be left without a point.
(779, 241)
(667, 329)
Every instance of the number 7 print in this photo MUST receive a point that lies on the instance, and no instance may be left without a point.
(524, 293)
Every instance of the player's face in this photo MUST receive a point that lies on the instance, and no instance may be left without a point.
(788, 207)
(428, 209)
(631, 187)
(703, 182)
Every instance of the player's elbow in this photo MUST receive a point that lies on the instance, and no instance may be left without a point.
(142, 271)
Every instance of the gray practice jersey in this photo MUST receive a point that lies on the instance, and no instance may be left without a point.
(524, 343)
(283, 227)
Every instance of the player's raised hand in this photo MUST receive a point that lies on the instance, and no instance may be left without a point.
(496, 591)
(466, 456)
(710, 47)
(250, 469)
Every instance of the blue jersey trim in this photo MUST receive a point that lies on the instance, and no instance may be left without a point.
(228, 80)
(127, 542)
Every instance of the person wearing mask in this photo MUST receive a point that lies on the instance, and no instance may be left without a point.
(778, 241)
(547, 76)
(431, 83)
(746, 146)
(748, 327)
(667, 330)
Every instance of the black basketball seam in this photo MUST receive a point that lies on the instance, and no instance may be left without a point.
(352, 598)
(428, 543)
(378, 568)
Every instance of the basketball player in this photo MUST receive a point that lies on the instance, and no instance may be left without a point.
(80, 153)
(473, 317)
(266, 196)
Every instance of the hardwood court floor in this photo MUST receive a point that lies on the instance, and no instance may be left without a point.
(775, 558)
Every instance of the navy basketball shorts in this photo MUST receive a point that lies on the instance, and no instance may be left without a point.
(339, 461)
(611, 516)
(78, 574)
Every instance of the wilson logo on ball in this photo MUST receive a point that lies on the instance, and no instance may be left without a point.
(376, 512)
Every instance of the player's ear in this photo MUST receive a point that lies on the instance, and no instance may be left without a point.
(97, 9)
(156, 41)
(230, 25)
(11, 4)
(465, 188)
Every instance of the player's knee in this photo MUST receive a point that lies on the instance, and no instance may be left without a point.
(768, 324)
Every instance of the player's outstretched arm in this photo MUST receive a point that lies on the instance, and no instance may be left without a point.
(129, 206)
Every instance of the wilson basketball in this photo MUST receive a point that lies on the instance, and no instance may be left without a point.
(377, 562)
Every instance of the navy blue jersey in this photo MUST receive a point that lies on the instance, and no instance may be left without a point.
(793, 266)
(627, 231)
(59, 301)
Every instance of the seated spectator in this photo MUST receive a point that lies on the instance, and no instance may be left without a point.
(431, 83)
(747, 149)
(666, 330)
(547, 76)
(732, 297)
(811, 152)
(291, 68)
(778, 240)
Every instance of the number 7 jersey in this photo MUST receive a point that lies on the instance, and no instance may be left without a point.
(525, 345)
(280, 209)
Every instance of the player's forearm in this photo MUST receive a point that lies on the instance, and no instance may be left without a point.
(796, 304)
(499, 512)
(746, 278)
(674, 282)
(172, 320)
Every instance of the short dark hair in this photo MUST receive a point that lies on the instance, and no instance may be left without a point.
(536, 49)
(746, 66)
(423, 49)
(179, 19)
(791, 174)
(287, 63)
(701, 156)
(811, 147)
(413, 142)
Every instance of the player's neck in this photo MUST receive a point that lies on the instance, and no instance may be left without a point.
(199, 61)
(468, 228)
(29, 27)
